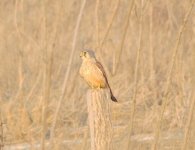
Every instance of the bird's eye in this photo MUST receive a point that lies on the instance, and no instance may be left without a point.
(84, 53)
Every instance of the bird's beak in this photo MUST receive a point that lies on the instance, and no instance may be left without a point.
(81, 54)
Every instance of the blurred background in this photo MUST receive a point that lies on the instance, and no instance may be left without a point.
(147, 48)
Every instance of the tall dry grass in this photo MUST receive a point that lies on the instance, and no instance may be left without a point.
(146, 47)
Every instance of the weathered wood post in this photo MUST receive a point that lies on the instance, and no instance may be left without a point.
(99, 119)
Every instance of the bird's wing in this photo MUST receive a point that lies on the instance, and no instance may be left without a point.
(99, 65)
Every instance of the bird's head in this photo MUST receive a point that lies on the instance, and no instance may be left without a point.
(87, 54)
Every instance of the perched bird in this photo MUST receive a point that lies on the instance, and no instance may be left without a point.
(93, 72)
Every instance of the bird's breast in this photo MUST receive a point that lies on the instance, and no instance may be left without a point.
(91, 73)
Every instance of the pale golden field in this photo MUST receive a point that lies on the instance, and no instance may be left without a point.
(147, 48)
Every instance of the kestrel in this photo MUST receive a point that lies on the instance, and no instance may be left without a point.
(93, 72)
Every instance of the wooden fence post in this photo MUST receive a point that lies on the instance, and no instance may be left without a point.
(99, 119)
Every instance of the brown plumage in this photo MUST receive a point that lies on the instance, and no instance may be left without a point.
(93, 72)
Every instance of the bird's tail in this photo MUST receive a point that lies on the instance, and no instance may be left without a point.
(112, 96)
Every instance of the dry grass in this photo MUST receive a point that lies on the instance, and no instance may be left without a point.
(147, 48)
